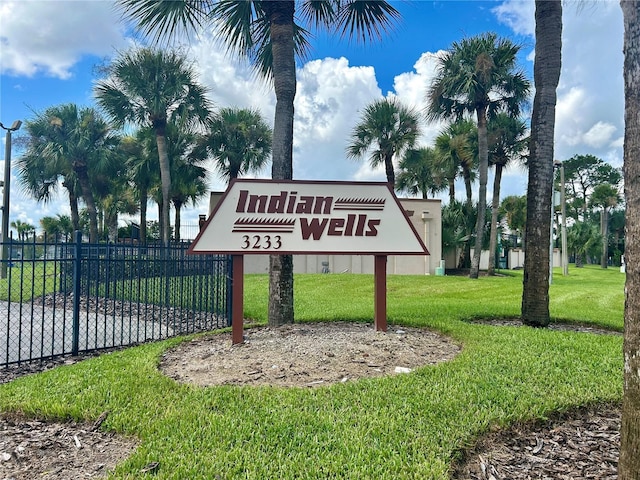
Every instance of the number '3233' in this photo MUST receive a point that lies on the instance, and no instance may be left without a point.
(263, 242)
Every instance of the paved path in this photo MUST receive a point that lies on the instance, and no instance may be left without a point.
(29, 331)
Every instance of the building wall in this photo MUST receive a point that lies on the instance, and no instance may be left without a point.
(425, 216)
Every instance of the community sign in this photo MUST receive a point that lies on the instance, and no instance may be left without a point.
(299, 217)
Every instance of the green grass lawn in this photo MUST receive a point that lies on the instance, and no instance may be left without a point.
(407, 426)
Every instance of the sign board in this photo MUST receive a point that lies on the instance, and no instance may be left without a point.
(295, 217)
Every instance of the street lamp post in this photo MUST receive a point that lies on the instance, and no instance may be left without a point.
(563, 212)
(5, 197)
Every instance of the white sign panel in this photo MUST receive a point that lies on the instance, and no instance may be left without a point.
(287, 217)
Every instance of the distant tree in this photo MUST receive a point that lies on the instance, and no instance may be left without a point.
(142, 170)
(189, 176)
(419, 173)
(458, 220)
(149, 88)
(582, 174)
(478, 76)
(514, 209)
(454, 148)
(387, 128)
(584, 240)
(69, 142)
(607, 197)
(507, 143)
(23, 229)
(239, 141)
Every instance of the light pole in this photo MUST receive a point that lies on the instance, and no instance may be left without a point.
(5, 197)
(563, 212)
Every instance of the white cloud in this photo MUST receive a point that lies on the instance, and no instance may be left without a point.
(50, 37)
(590, 94)
(517, 15)
(599, 135)
(47, 37)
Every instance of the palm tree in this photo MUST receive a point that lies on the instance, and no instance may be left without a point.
(607, 197)
(546, 72)
(70, 142)
(239, 140)
(142, 170)
(23, 229)
(190, 178)
(420, 173)
(507, 142)
(478, 76)
(514, 210)
(190, 186)
(583, 239)
(149, 88)
(269, 34)
(390, 128)
(455, 154)
(629, 464)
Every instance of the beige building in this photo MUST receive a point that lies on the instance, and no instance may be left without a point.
(425, 216)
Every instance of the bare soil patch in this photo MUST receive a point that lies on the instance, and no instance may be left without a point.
(306, 355)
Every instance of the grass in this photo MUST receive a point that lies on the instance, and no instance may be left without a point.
(409, 426)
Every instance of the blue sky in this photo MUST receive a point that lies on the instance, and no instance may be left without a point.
(49, 51)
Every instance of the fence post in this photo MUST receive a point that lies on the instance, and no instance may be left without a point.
(77, 274)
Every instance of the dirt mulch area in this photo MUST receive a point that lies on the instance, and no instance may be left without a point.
(578, 445)
(306, 355)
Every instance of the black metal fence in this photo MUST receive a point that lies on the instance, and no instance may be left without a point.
(67, 298)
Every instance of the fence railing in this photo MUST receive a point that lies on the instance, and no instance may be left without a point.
(67, 298)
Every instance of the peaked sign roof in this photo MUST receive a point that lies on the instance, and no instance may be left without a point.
(290, 217)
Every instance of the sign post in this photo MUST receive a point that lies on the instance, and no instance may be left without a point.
(293, 217)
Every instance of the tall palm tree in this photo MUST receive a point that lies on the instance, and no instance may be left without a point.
(454, 147)
(269, 34)
(607, 197)
(70, 142)
(546, 73)
(629, 464)
(149, 88)
(390, 128)
(239, 140)
(142, 169)
(190, 177)
(420, 173)
(507, 143)
(478, 76)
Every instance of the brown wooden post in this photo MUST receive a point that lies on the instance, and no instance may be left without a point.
(380, 292)
(237, 299)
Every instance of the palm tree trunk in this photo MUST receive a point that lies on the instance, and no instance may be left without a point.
(73, 205)
(483, 168)
(87, 196)
(547, 65)
(467, 185)
(495, 206)
(388, 168)
(629, 464)
(604, 221)
(280, 16)
(452, 192)
(165, 178)
(143, 215)
(177, 221)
